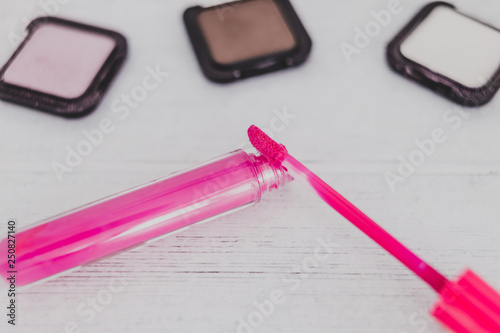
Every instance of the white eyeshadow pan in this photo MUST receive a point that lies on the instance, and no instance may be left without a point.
(60, 60)
(457, 46)
(453, 54)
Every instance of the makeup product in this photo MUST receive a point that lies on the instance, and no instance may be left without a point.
(453, 54)
(244, 38)
(62, 67)
(233, 181)
(465, 305)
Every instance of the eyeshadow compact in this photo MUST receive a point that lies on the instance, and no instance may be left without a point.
(62, 67)
(245, 38)
(449, 52)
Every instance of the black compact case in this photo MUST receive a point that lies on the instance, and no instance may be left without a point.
(264, 63)
(441, 84)
(73, 107)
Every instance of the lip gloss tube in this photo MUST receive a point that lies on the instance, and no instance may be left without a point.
(132, 217)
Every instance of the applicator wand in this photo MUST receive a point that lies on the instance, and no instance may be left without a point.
(468, 305)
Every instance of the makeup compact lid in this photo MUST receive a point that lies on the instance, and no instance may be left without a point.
(62, 67)
(246, 38)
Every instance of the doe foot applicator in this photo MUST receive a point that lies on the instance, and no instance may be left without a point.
(467, 305)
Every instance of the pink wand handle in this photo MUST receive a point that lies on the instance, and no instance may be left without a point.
(365, 224)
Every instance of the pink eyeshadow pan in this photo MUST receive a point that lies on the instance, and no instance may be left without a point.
(59, 60)
(62, 67)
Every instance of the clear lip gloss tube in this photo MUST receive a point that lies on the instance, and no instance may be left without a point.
(140, 214)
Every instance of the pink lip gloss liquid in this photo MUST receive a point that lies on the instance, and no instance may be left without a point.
(132, 217)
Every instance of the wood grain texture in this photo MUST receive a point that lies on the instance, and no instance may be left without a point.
(351, 123)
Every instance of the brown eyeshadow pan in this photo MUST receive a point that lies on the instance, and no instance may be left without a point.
(246, 38)
(248, 30)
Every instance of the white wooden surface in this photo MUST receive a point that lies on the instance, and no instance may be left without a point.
(352, 123)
